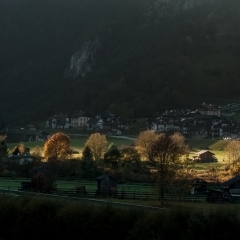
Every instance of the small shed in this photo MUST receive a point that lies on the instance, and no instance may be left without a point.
(205, 156)
(107, 185)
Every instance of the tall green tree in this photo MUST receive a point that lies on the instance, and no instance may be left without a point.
(112, 156)
(87, 163)
(87, 154)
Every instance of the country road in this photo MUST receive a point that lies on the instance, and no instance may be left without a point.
(114, 136)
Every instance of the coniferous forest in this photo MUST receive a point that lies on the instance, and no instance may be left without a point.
(131, 57)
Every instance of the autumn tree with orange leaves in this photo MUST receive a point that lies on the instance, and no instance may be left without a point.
(57, 147)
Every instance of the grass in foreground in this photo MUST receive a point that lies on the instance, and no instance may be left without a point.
(64, 219)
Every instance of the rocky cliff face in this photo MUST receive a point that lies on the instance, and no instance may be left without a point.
(83, 60)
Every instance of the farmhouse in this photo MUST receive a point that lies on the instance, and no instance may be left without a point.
(17, 158)
(233, 183)
(80, 119)
(205, 156)
(209, 109)
(38, 136)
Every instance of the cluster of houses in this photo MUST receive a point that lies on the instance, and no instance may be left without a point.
(106, 122)
(205, 121)
(19, 158)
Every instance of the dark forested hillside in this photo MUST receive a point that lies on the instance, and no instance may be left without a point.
(133, 57)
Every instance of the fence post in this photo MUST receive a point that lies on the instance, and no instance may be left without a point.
(122, 193)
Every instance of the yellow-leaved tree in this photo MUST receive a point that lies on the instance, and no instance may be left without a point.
(57, 147)
(97, 143)
(144, 144)
(232, 151)
(168, 149)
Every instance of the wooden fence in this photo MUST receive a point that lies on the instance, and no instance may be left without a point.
(122, 194)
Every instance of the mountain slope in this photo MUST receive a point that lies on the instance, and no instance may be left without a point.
(132, 57)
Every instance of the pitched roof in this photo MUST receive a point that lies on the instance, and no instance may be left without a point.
(59, 117)
(205, 106)
(105, 176)
(93, 120)
(206, 117)
(82, 114)
(230, 181)
(235, 192)
(204, 151)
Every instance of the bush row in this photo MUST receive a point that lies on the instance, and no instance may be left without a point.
(41, 218)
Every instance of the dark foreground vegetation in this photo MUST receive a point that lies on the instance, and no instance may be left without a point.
(40, 218)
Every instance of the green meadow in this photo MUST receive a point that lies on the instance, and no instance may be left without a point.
(15, 183)
(78, 141)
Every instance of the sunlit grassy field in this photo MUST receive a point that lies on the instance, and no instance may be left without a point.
(215, 146)
(77, 142)
(195, 145)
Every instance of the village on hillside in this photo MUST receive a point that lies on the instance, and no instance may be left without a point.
(205, 121)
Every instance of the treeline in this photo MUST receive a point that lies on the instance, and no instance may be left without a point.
(39, 218)
(151, 57)
(97, 158)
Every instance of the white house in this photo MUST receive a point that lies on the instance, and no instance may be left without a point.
(80, 119)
